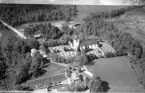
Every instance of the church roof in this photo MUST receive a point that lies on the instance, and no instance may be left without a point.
(89, 42)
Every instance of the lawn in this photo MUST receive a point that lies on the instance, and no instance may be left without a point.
(116, 71)
(59, 78)
(52, 75)
(45, 81)
(52, 69)
(41, 83)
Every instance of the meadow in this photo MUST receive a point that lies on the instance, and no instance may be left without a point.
(116, 71)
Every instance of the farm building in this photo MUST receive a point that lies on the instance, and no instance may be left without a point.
(59, 48)
(91, 44)
(37, 36)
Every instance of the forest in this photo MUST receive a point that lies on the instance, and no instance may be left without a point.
(17, 14)
(17, 52)
(16, 55)
(47, 30)
(123, 42)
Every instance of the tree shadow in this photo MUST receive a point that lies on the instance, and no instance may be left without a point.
(46, 62)
(42, 72)
(105, 86)
(90, 64)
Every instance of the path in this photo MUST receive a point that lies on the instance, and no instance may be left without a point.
(13, 29)
(68, 79)
(60, 64)
(44, 77)
(88, 72)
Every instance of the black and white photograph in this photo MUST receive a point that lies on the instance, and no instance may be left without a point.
(72, 46)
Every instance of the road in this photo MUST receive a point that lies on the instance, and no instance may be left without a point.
(13, 29)
(117, 72)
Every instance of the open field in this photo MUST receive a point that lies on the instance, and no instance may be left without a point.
(45, 81)
(133, 23)
(116, 71)
(39, 83)
(52, 69)
(85, 10)
(54, 73)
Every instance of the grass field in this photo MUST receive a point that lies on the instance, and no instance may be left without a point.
(45, 81)
(116, 71)
(52, 69)
(40, 83)
(59, 78)
(54, 73)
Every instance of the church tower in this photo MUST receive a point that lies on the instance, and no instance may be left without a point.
(75, 44)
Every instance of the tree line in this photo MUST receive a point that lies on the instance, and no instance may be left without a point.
(123, 42)
(17, 14)
(47, 31)
(111, 13)
(17, 54)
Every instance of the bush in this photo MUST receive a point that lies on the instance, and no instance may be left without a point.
(23, 74)
(78, 86)
(21, 77)
(91, 57)
(96, 84)
(81, 59)
(23, 88)
(110, 54)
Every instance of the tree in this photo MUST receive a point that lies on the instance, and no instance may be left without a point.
(110, 54)
(23, 88)
(135, 2)
(138, 52)
(87, 81)
(33, 43)
(23, 75)
(96, 85)
(69, 71)
(143, 54)
(81, 59)
(65, 29)
(36, 66)
(3, 67)
(78, 86)
(28, 57)
(43, 48)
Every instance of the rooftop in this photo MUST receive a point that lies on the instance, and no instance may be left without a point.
(89, 42)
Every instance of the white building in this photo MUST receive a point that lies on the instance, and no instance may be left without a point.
(75, 44)
(37, 36)
(43, 53)
(33, 52)
(91, 44)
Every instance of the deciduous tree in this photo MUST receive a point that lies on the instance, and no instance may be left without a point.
(96, 85)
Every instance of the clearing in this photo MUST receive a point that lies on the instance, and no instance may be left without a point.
(54, 74)
(117, 73)
(45, 81)
(85, 10)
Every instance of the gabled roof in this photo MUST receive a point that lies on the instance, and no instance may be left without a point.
(85, 75)
(89, 42)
